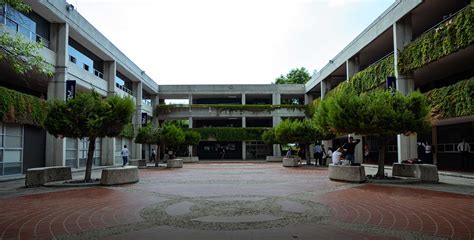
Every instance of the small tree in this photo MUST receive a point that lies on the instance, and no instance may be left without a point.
(295, 131)
(379, 113)
(191, 138)
(150, 135)
(89, 116)
(172, 136)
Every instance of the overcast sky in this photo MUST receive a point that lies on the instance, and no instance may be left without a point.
(229, 41)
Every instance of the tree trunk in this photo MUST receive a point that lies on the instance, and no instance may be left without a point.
(158, 154)
(381, 163)
(90, 156)
(306, 154)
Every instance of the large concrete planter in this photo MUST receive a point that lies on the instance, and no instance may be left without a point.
(345, 173)
(190, 159)
(119, 175)
(291, 162)
(174, 163)
(40, 176)
(424, 172)
(274, 159)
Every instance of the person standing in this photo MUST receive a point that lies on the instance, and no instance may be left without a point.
(318, 153)
(350, 146)
(464, 148)
(125, 153)
(366, 153)
(329, 155)
(153, 155)
(421, 151)
(428, 154)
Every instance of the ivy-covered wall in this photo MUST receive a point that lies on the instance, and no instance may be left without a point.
(231, 134)
(163, 109)
(451, 36)
(16, 107)
(456, 100)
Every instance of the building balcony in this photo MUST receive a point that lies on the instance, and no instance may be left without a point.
(229, 110)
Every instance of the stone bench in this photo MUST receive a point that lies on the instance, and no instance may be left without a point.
(174, 163)
(347, 173)
(119, 175)
(190, 159)
(40, 176)
(291, 162)
(274, 159)
(424, 172)
(138, 162)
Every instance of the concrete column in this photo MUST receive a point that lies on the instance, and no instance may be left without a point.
(325, 87)
(56, 148)
(276, 147)
(190, 97)
(359, 149)
(352, 67)
(137, 119)
(244, 99)
(110, 69)
(402, 36)
(107, 154)
(155, 103)
(190, 125)
(276, 98)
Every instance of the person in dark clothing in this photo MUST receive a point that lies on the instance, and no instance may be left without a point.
(350, 149)
(421, 151)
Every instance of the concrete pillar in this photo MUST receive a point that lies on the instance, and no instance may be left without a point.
(244, 125)
(137, 119)
(155, 103)
(190, 97)
(244, 99)
(276, 147)
(352, 67)
(276, 98)
(110, 69)
(190, 125)
(56, 148)
(402, 36)
(325, 87)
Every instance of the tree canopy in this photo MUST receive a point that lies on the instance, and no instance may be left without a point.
(378, 113)
(295, 76)
(88, 115)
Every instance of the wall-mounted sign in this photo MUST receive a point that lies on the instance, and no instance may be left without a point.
(70, 89)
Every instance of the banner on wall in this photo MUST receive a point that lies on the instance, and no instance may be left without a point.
(70, 89)
(144, 118)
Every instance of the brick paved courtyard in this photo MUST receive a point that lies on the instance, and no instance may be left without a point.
(238, 201)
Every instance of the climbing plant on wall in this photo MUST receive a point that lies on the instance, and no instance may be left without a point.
(16, 107)
(449, 37)
(456, 100)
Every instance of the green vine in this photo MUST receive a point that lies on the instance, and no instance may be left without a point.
(230, 134)
(16, 107)
(456, 100)
(451, 36)
(164, 109)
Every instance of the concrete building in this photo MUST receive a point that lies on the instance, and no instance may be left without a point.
(81, 53)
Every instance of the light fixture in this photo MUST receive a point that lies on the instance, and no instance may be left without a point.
(69, 7)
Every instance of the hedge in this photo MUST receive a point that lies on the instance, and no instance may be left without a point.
(231, 134)
(16, 107)
(456, 100)
(163, 109)
(451, 36)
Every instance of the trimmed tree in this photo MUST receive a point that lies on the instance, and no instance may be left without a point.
(191, 138)
(295, 131)
(89, 116)
(172, 136)
(379, 113)
(150, 135)
(295, 76)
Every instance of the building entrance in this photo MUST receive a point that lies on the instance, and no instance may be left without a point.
(219, 150)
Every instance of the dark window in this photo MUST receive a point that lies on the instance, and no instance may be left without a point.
(72, 59)
(86, 67)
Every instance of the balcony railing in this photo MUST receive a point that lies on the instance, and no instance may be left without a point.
(21, 29)
(125, 89)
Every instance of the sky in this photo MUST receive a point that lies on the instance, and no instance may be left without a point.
(229, 41)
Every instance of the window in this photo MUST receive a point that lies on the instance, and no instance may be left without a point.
(72, 59)
(86, 67)
(11, 148)
(71, 152)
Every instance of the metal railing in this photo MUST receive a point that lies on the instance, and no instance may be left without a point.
(447, 18)
(450, 147)
(125, 89)
(26, 32)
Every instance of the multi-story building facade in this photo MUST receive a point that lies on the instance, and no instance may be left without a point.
(81, 53)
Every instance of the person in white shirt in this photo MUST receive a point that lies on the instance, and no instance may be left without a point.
(337, 156)
(464, 148)
(125, 154)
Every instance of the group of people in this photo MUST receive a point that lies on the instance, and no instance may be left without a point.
(345, 154)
